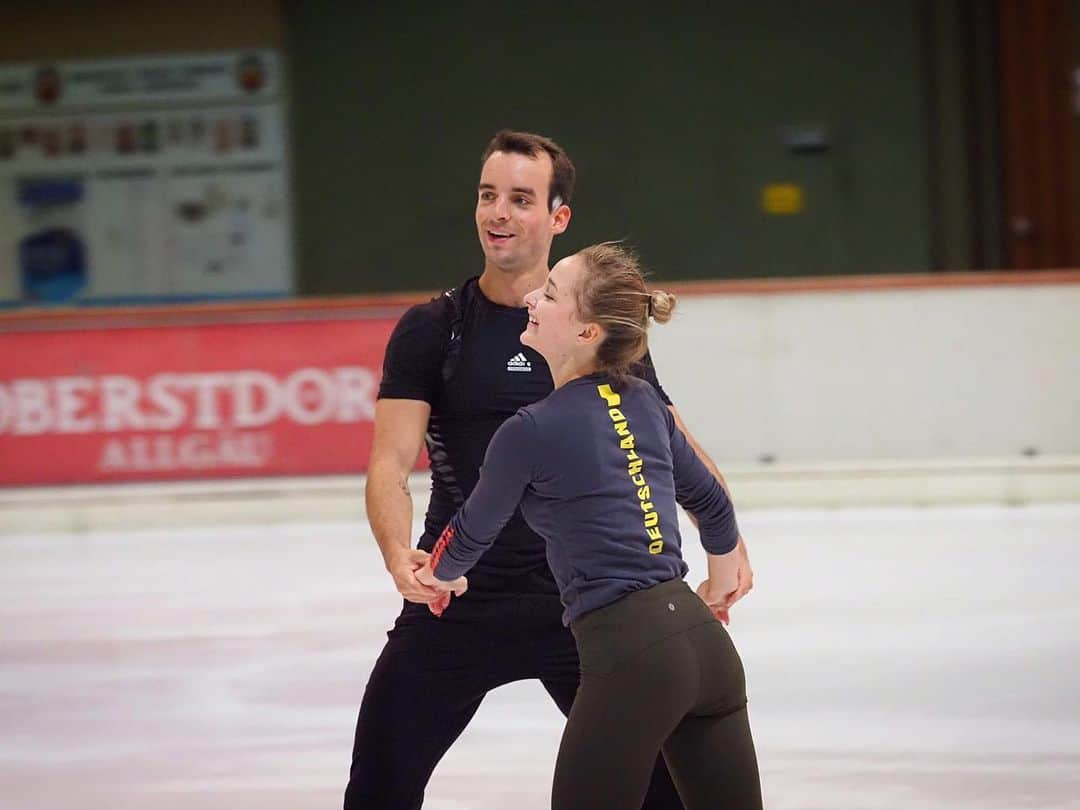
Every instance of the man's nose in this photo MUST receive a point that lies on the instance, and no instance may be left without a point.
(502, 208)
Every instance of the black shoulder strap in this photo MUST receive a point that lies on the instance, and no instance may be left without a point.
(455, 321)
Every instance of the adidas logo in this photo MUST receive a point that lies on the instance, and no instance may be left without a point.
(519, 362)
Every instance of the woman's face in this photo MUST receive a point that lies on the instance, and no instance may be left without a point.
(554, 328)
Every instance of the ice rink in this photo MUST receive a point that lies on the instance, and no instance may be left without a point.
(897, 659)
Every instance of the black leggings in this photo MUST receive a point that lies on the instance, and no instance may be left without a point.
(430, 680)
(658, 673)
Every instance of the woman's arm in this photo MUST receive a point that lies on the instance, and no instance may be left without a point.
(699, 492)
(506, 471)
(745, 573)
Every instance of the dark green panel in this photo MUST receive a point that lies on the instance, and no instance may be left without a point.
(673, 118)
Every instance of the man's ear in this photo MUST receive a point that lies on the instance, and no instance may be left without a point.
(560, 218)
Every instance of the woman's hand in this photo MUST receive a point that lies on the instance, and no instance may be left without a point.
(721, 589)
(403, 563)
(718, 601)
(426, 576)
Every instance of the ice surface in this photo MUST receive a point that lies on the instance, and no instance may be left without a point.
(896, 659)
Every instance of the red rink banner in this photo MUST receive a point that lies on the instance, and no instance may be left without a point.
(189, 401)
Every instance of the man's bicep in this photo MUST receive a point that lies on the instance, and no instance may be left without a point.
(400, 427)
(684, 459)
(645, 370)
(678, 424)
(697, 485)
(412, 365)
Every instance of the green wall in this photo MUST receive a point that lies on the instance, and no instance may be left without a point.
(672, 116)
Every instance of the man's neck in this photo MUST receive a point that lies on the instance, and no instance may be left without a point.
(508, 289)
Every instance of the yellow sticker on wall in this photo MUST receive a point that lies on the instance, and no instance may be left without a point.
(782, 198)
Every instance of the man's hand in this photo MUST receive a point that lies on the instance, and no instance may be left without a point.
(721, 593)
(744, 573)
(730, 579)
(457, 587)
(403, 566)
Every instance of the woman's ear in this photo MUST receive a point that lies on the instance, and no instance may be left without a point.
(591, 333)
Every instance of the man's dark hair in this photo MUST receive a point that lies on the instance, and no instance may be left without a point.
(529, 144)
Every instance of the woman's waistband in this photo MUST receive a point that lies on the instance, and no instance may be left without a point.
(639, 619)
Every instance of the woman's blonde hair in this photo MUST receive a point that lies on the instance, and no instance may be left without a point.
(612, 293)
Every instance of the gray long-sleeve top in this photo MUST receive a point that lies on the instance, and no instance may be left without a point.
(597, 467)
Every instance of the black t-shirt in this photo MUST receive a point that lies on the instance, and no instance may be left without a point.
(492, 376)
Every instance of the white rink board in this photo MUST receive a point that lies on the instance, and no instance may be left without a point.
(900, 659)
(877, 375)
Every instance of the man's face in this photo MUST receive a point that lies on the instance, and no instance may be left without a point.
(513, 221)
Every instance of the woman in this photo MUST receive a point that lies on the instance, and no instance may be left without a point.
(597, 468)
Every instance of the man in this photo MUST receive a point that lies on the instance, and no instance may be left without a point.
(454, 370)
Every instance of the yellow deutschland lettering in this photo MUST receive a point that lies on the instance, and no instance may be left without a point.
(634, 468)
(610, 397)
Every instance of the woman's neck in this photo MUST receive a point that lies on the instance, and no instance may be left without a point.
(569, 368)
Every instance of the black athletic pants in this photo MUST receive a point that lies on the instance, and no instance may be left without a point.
(428, 683)
(658, 673)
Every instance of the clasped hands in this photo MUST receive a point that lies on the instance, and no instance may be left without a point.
(728, 584)
(416, 582)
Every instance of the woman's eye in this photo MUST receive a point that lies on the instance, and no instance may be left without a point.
(548, 297)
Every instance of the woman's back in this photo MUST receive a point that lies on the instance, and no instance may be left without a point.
(598, 467)
(602, 491)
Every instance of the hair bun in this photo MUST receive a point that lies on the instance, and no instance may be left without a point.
(660, 305)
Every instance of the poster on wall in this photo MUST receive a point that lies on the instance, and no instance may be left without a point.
(163, 178)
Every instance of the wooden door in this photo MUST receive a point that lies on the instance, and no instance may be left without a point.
(1038, 127)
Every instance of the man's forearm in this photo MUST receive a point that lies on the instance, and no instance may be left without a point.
(389, 509)
(710, 465)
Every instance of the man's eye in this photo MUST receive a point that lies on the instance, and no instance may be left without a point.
(548, 297)
(487, 196)
(522, 201)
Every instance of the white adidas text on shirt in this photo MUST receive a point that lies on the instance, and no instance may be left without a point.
(519, 362)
